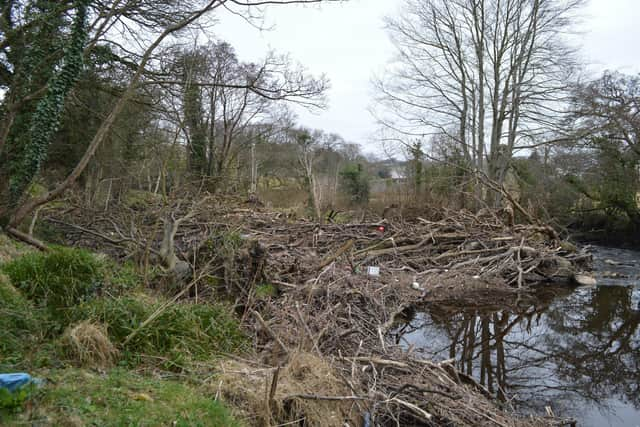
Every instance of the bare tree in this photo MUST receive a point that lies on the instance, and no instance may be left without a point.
(228, 105)
(308, 154)
(491, 75)
(609, 108)
(606, 125)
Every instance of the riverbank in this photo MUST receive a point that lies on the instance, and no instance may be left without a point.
(624, 237)
(318, 305)
(65, 316)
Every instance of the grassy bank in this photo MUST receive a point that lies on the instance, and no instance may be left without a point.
(105, 346)
(120, 397)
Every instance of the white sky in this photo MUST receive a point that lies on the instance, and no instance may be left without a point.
(347, 42)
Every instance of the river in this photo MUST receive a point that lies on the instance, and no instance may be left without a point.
(576, 351)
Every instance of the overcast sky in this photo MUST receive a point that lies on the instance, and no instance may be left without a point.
(348, 43)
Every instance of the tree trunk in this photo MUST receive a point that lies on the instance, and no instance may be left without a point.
(18, 215)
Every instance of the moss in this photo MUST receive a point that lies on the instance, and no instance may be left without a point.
(36, 190)
(183, 330)
(140, 200)
(228, 242)
(568, 247)
(266, 290)
(343, 218)
(122, 398)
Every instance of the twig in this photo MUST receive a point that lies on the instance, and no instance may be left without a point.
(328, 260)
(416, 409)
(270, 331)
(318, 397)
(307, 330)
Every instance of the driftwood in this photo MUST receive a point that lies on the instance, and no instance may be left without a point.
(329, 306)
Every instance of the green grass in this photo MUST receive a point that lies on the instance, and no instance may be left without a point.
(41, 293)
(64, 277)
(21, 325)
(64, 286)
(122, 398)
(182, 331)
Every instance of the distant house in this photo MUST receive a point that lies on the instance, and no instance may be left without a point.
(397, 177)
(398, 174)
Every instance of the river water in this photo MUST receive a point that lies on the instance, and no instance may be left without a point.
(574, 350)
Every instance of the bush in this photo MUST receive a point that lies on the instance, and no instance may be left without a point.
(64, 277)
(183, 329)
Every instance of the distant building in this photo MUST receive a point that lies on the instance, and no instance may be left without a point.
(398, 173)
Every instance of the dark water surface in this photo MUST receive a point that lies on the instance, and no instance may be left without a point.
(575, 350)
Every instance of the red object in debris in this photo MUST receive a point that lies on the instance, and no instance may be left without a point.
(381, 229)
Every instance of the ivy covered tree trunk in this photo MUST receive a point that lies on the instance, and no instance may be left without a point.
(32, 60)
(31, 131)
(194, 66)
(355, 183)
(194, 118)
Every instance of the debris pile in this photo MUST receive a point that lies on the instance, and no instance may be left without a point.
(460, 243)
(341, 291)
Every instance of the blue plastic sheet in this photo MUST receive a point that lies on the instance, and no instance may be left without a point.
(14, 381)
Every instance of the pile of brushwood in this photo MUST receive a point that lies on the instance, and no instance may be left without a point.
(321, 300)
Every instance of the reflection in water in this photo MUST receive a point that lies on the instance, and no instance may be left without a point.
(572, 353)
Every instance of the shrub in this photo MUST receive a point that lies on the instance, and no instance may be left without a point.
(183, 329)
(64, 277)
(355, 183)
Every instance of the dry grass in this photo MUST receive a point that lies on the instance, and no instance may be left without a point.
(9, 249)
(304, 376)
(88, 345)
